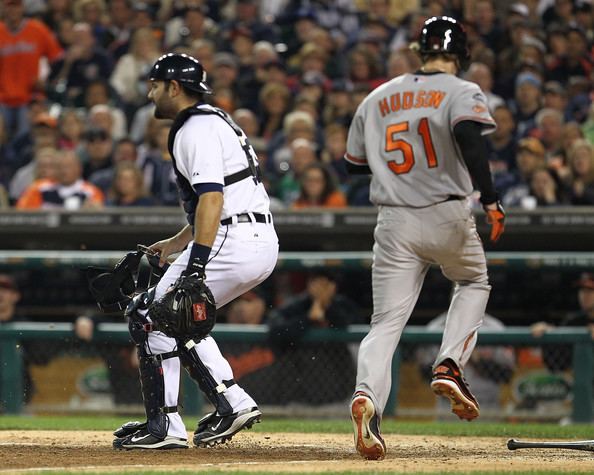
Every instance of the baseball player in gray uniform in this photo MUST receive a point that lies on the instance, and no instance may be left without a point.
(229, 240)
(420, 136)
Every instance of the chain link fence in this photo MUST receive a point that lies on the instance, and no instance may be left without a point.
(527, 383)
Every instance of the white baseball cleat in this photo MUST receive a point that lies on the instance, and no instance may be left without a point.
(368, 440)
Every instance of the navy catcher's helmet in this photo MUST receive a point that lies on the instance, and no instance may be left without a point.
(182, 68)
(445, 35)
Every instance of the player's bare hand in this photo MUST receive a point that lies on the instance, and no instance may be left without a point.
(165, 248)
(496, 218)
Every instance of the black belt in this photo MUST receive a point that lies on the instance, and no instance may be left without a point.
(455, 198)
(245, 218)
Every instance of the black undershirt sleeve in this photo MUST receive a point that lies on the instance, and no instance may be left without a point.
(474, 152)
(357, 169)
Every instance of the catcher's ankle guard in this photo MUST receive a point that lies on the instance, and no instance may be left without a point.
(207, 384)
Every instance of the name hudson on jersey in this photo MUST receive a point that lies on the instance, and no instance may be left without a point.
(411, 100)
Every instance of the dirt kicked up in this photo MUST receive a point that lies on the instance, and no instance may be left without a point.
(24, 451)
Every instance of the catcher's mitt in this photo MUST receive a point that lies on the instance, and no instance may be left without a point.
(187, 310)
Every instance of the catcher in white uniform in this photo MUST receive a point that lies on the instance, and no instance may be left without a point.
(229, 241)
(420, 136)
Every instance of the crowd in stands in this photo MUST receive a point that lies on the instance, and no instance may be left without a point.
(77, 130)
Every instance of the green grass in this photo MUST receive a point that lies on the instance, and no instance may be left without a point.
(334, 426)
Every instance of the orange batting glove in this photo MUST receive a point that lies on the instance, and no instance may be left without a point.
(496, 218)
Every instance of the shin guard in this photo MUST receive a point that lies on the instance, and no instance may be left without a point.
(199, 373)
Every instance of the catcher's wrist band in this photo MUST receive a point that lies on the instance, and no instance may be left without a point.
(199, 252)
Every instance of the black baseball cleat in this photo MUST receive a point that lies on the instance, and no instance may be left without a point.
(143, 439)
(214, 429)
(368, 440)
(448, 382)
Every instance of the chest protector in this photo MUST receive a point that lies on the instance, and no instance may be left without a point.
(186, 191)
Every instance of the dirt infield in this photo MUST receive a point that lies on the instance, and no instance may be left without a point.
(22, 451)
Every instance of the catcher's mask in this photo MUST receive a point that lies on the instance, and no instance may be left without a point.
(113, 289)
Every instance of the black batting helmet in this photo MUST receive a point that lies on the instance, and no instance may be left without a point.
(445, 35)
(182, 68)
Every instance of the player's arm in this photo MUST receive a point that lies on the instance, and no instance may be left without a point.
(357, 169)
(474, 153)
(206, 224)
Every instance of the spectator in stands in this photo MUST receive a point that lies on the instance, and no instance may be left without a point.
(312, 87)
(255, 61)
(302, 154)
(71, 125)
(309, 58)
(275, 100)
(581, 165)
(559, 357)
(119, 29)
(70, 191)
(103, 110)
(24, 42)
(43, 135)
(97, 151)
(84, 61)
(488, 369)
(120, 359)
(248, 122)
(558, 12)
(124, 151)
(193, 24)
(578, 60)
(480, 74)
(157, 166)
(9, 298)
(545, 188)
(502, 146)
(365, 68)
(129, 77)
(245, 14)
(555, 97)
(549, 129)
(487, 25)
(531, 156)
(318, 189)
(44, 166)
(55, 12)
(527, 102)
(296, 125)
(92, 13)
(223, 80)
(338, 107)
(311, 366)
(508, 60)
(127, 188)
(401, 62)
(332, 154)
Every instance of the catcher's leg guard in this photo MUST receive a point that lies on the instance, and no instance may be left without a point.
(136, 322)
(153, 393)
(199, 373)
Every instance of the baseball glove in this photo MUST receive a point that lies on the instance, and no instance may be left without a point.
(187, 310)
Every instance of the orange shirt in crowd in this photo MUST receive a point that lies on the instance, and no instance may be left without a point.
(20, 53)
(44, 194)
(336, 199)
